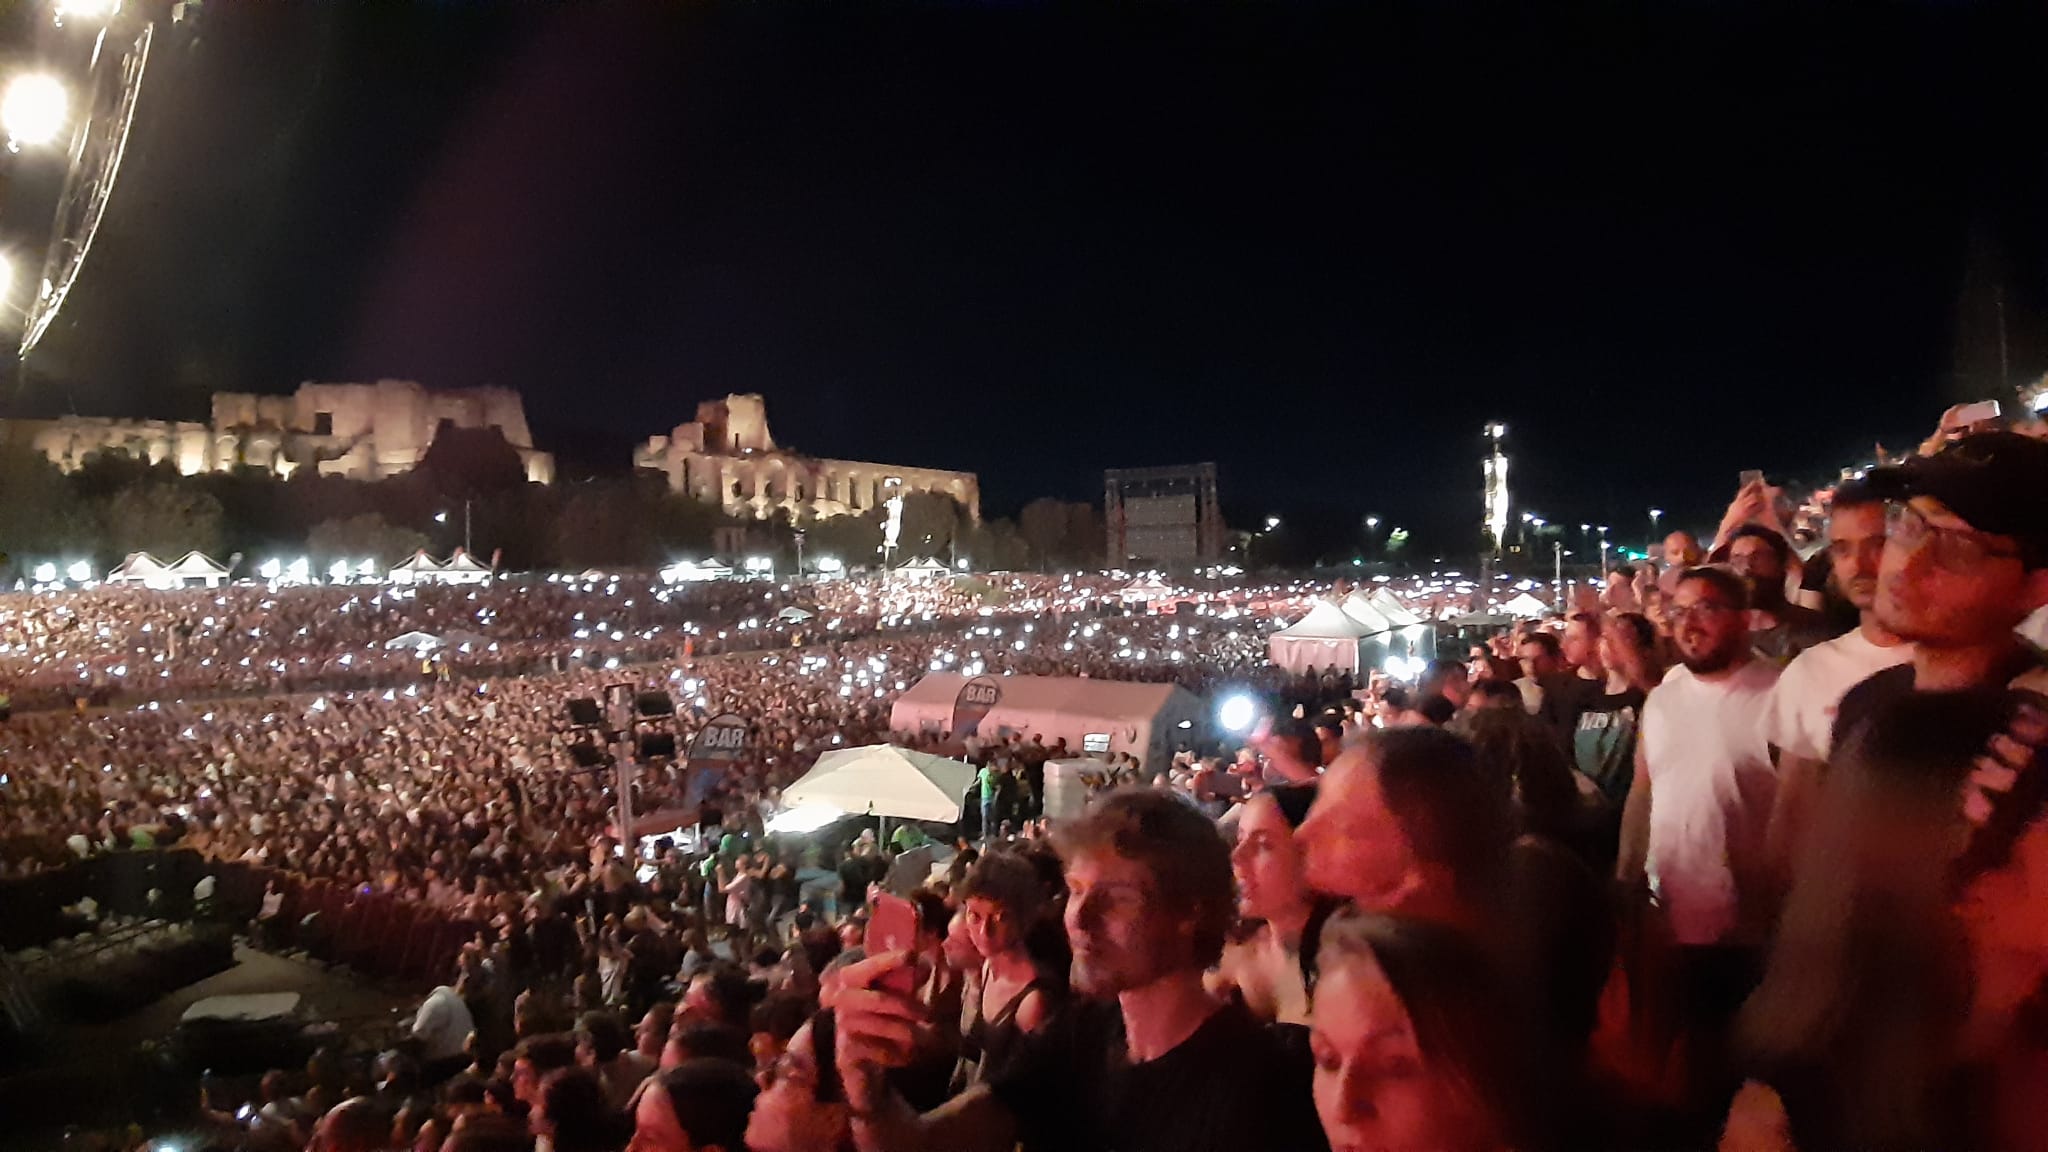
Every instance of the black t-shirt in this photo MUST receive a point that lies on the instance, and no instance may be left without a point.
(1234, 1086)
(1981, 712)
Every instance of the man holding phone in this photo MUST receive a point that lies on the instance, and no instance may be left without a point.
(1149, 1060)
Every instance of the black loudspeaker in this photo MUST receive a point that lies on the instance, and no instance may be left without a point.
(654, 705)
(657, 746)
(584, 713)
(589, 755)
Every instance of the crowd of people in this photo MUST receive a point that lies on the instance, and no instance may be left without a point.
(1743, 850)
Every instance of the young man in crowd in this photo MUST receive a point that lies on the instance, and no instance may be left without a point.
(1148, 1060)
(1693, 826)
(1965, 563)
(1682, 553)
(1778, 628)
(1543, 673)
(1799, 725)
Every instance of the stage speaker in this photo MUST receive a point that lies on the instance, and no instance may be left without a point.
(654, 705)
(584, 713)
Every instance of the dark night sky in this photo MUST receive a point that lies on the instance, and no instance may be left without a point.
(1319, 244)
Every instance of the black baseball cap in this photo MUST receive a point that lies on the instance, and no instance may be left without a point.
(1997, 482)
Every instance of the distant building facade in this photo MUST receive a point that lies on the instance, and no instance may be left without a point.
(358, 431)
(727, 456)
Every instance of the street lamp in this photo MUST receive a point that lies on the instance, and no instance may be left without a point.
(1272, 523)
(1656, 514)
(33, 110)
(1603, 552)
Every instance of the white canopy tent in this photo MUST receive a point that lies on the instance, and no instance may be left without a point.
(197, 567)
(462, 568)
(1360, 608)
(1145, 590)
(689, 571)
(794, 615)
(1526, 606)
(417, 640)
(144, 569)
(415, 569)
(884, 780)
(1095, 716)
(922, 568)
(1390, 606)
(1325, 638)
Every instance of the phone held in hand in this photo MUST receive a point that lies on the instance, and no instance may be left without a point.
(893, 928)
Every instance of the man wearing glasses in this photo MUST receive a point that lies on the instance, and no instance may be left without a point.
(1692, 830)
(1965, 562)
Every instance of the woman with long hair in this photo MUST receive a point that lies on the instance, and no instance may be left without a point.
(1412, 1042)
(1265, 963)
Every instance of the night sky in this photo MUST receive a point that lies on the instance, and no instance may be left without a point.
(1318, 244)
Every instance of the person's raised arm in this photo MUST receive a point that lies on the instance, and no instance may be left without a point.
(877, 1030)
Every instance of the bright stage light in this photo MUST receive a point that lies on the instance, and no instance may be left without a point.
(1237, 713)
(46, 573)
(84, 11)
(80, 572)
(33, 110)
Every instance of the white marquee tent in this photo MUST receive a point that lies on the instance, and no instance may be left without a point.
(1526, 606)
(1362, 609)
(144, 569)
(462, 568)
(419, 568)
(419, 641)
(199, 568)
(1327, 637)
(922, 568)
(1096, 716)
(1390, 606)
(884, 780)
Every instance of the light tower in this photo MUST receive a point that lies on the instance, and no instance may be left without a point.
(1495, 469)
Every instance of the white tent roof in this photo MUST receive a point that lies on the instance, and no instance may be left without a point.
(922, 564)
(1526, 606)
(413, 640)
(1390, 606)
(138, 566)
(198, 564)
(794, 613)
(462, 562)
(1326, 621)
(1362, 610)
(417, 562)
(887, 781)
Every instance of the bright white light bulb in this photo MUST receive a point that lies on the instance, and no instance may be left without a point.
(33, 109)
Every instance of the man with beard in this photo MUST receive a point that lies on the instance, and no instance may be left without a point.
(1778, 628)
(1148, 1061)
(1693, 827)
(1800, 722)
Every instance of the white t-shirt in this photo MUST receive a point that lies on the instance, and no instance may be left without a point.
(1801, 717)
(1711, 786)
(443, 1024)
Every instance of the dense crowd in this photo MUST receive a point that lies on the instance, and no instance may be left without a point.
(1746, 849)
